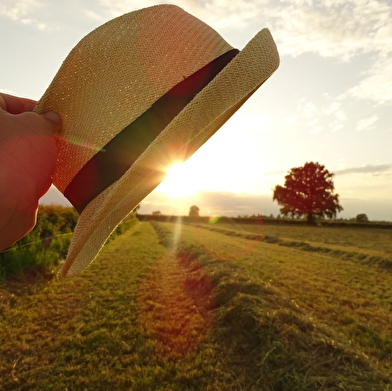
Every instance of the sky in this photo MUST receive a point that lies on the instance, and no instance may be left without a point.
(330, 101)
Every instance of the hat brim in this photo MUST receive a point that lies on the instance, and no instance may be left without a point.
(195, 124)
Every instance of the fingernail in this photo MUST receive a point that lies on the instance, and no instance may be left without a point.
(54, 117)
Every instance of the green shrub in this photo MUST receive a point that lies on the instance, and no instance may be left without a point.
(44, 246)
(126, 224)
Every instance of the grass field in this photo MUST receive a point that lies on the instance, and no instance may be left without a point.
(211, 307)
(364, 245)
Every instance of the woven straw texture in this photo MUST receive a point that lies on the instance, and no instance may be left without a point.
(117, 72)
(142, 55)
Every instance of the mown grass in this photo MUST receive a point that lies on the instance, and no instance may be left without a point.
(370, 246)
(367, 238)
(126, 323)
(325, 323)
(184, 308)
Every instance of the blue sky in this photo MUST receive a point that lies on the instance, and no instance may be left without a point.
(330, 100)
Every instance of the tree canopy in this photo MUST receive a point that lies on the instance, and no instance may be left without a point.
(308, 191)
(362, 218)
(194, 211)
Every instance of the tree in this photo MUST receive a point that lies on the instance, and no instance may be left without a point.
(362, 218)
(308, 190)
(194, 211)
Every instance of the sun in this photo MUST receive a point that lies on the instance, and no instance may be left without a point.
(179, 182)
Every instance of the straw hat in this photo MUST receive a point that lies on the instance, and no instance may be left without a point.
(135, 95)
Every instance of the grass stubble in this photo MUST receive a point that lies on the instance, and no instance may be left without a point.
(305, 320)
(126, 323)
(201, 310)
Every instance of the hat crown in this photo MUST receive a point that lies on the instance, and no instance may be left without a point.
(115, 73)
(117, 76)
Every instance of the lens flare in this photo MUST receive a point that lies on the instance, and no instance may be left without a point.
(213, 219)
(75, 141)
(178, 182)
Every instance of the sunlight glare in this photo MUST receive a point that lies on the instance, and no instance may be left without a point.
(226, 162)
(179, 182)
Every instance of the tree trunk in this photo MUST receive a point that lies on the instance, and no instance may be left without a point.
(310, 219)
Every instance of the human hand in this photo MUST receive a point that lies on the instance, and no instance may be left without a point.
(27, 162)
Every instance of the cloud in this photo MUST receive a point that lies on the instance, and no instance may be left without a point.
(222, 203)
(289, 121)
(315, 115)
(213, 203)
(307, 109)
(377, 82)
(339, 28)
(9, 92)
(376, 211)
(228, 15)
(336, 127)
(338, 115)
(367, 123)
(276, 173)
(219, 14)
(315, 127)
(93, 15)
(54, 197)
(22, 11)
(254, 123)
(334, 109)
(366, 169)
(119, 7)
(311, 113)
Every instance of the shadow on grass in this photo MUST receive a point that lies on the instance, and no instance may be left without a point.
(265, 341)
(376, 261)
(27, 282)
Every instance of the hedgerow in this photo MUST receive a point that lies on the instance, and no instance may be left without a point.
(47, 244)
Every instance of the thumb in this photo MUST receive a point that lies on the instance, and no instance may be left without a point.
(54, 120)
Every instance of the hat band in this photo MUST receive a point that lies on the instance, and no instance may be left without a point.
(118, 155)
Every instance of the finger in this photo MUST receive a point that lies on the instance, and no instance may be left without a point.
(54, 121)
(16, 105)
